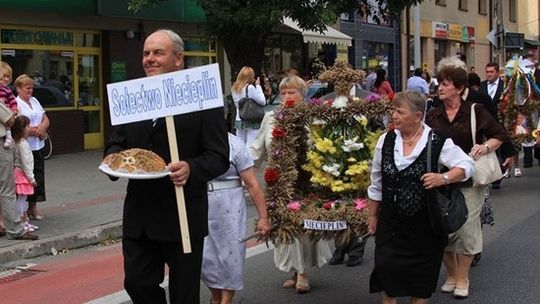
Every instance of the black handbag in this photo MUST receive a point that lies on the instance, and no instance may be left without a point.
(249, 110)
(446, 206)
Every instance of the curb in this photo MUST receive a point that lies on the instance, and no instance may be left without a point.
(72, 240)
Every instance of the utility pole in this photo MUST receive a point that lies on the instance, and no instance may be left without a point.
(499, 23)
(416, 14)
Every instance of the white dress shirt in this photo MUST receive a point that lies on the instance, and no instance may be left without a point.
(451, 156)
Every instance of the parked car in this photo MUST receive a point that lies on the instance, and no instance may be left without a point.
(49, 96)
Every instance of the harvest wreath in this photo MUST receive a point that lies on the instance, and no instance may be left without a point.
(521, 96)
(319, 168)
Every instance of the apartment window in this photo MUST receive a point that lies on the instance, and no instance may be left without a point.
(512, 10)
(463, 5)
(482, 7)
(440, 2)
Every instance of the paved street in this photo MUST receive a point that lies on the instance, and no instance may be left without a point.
(81, 202)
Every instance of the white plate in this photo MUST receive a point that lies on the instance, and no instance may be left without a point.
(107, 170)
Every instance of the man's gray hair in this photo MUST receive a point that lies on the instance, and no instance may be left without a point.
(453, 62)
(177, 41)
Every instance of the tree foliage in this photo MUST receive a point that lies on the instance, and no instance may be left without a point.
(244, 25)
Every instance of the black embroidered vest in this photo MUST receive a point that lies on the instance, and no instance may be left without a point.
(403, 206)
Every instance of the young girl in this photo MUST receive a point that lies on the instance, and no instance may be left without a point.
(24, 164)
(7, 97)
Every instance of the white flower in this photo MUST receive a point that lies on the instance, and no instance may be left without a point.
(340, 102)
(332, 169)
(352, 145)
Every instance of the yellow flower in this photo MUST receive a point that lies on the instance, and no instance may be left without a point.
(325, 145)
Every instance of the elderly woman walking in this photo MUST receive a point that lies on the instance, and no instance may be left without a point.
(453, 119)
(408, 253)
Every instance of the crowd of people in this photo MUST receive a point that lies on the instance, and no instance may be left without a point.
(23, 127)
(217, 167)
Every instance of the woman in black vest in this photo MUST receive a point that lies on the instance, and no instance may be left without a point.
(408, 254)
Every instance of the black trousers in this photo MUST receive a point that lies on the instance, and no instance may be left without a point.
(353, 247)
(144, 269)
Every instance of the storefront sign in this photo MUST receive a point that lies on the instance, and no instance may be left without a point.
(455, 32)
(440, 30)
(118, 71)
(318, 225)
(464, 34)
(38, 37)
(163, 95)
(470, 30)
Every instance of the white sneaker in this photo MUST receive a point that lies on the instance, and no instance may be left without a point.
(517, 172)
(31, 226)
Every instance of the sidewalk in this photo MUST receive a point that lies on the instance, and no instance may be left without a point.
(83, 207)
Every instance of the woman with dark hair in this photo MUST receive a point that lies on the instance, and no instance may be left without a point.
(453, 119)
(381, 86)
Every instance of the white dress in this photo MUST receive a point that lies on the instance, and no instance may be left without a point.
(302, 253)
(223, 255)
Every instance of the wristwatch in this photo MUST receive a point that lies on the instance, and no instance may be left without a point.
(446, 178)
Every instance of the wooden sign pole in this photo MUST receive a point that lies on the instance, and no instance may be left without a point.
(180, 200)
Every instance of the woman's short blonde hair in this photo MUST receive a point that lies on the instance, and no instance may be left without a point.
(294, 82)
(23, 80)
(412, 99)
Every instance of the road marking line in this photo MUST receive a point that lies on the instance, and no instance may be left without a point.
(122, 296)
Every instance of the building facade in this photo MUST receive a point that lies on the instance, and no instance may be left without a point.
(374, 44)
(458, 28)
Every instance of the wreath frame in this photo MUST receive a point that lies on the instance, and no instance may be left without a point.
(286, 181)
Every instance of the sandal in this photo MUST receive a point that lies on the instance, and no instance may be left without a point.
(302, 284)
(37, 217)
(290, 283)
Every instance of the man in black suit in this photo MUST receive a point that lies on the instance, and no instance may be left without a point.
(493, 86)
(151, 232)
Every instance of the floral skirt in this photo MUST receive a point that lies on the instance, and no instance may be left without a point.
(22, 184)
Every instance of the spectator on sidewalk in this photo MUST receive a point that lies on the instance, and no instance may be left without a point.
(12, 220)
(30, 107)
(151, 233)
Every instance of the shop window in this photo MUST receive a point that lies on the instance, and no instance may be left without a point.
(88, 72)
(87, 40)
(199, 51)
(440, 2)
(512, 10)
(482, 7)
(462, 6)
(375, 55)
(348, 16)
(52, 72)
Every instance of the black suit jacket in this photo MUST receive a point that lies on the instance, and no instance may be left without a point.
(150, 206)
(500, 88)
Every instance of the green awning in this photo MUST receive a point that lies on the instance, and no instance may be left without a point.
(532, 42)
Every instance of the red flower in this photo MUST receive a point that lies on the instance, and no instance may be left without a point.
(289, 103)
(271, 176)
(327, 205)
(279, 132)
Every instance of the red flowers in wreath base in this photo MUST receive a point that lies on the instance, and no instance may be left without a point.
(271, 176)
(279, 132)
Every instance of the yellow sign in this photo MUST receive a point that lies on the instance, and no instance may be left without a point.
(455, 32)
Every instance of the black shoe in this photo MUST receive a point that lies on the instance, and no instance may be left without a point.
(354, 261)
(496, 186)
(337, 258)
(476, 259)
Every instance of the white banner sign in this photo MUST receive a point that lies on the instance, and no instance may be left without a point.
(318, 225)
(163, 95)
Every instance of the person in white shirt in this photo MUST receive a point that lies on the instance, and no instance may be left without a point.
(247, 86)
(417, 83)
